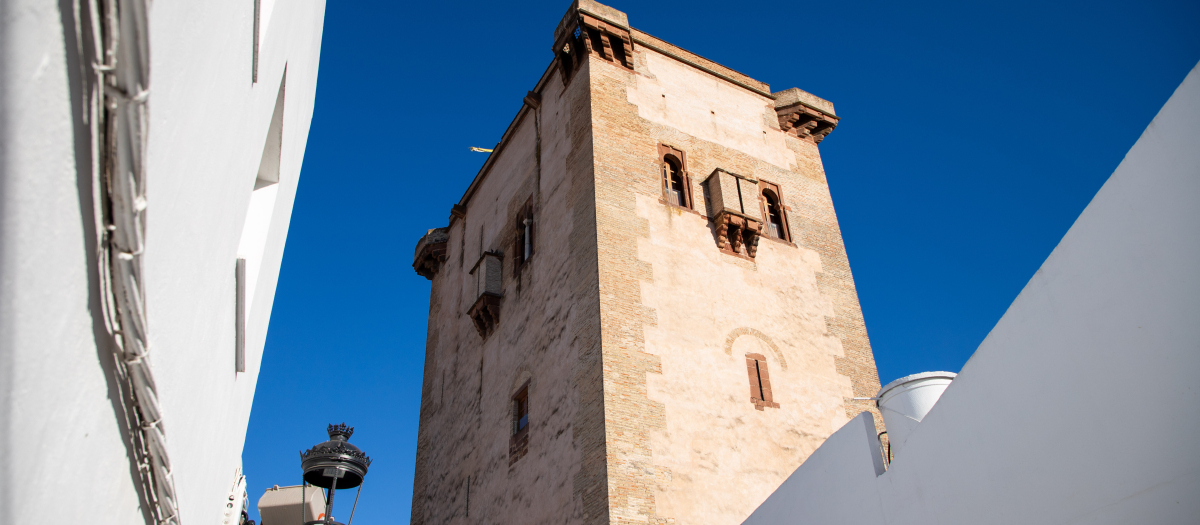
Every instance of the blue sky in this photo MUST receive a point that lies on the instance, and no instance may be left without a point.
(972, 135)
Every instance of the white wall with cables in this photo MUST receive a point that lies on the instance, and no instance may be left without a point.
(195, 158)
(1079, 406)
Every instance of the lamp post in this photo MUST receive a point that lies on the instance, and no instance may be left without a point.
(332, 465)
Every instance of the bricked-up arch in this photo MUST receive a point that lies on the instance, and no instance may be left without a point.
(738, 332)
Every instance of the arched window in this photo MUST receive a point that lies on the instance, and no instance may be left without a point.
(676, 184)
(673, 182)
(773, 212)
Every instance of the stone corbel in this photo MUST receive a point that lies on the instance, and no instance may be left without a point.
(485, 313)
(431, 252)
(735, 231)
(751, 233)
(489, 284)
(735, 210)
(806, 123)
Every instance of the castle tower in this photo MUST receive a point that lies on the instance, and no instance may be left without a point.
(641, 309)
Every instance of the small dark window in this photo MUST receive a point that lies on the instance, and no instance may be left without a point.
(760, 382)
(597, 43)
(618, 50)
(518, 444)
(521, 411)
(564, 57)
(523, 248)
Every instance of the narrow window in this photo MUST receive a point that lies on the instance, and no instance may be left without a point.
(773, 211)
(518, 444)
(262, 18)
(618, 50)
(597, 43)
(567, 64)
(528, 224)
(520, 411)
(256, 230)
(760, 382)
(774, 215)
(673, 182)
(239, 327)
(254, 52)
(523, 247)
(676, 184)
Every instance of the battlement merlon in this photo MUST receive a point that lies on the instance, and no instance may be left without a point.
(804, 115)
(606, 14)
(571, 19)
(801, 114)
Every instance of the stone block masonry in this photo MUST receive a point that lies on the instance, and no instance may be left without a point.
(630, 324)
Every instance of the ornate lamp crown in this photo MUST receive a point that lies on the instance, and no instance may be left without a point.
(340, 431)
(335, 461)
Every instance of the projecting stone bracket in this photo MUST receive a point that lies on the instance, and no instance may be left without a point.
(485, 313)
(804, 115)
(489, 284)
(736, 214)
(431, 252)
(806, 123)
(735, 231)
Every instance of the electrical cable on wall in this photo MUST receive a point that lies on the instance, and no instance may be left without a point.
(120, 125)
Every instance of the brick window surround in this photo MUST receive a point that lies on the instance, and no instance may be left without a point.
(518, 444)
(676, 182)
(760, 382)
(774, 212)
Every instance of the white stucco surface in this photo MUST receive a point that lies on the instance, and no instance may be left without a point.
(68, 460)
(1079, 405)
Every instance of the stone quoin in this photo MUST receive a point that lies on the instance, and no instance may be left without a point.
(685, 241)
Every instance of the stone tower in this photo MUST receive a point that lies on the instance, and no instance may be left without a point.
(641, 309)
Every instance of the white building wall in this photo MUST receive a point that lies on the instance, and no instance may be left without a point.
(1080, 405)
(66, 455)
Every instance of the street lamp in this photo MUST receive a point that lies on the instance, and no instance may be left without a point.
(332, 465)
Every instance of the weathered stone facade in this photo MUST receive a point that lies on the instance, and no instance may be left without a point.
(641, 340)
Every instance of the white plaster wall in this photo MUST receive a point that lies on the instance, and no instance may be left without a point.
(67, 457)
(1079, 407)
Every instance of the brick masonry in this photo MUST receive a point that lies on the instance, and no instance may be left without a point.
(630, 326)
